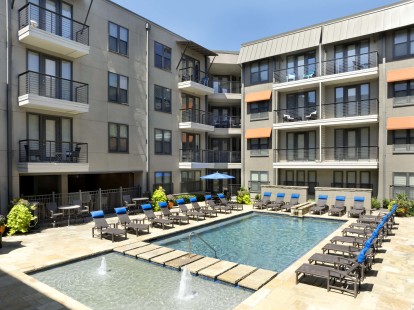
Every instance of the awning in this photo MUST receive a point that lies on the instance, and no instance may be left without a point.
(400, 75)
(258, 96)
(400, 123)
(197, 48)
(258, 133)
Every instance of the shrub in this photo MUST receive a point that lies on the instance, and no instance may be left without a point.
(375, 203)
(403, 204)
(158, 196)
(2, 220)
(19, 217)
(385, 203)
(243, 196)
(185, 197)
(200, 197)
(257, 197)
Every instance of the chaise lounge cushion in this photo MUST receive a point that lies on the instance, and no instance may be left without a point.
(122, 210)
(181, 201)
(193, 199)
(97, 214)
(146, 207)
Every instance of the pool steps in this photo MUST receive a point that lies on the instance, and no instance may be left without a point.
(216, 269)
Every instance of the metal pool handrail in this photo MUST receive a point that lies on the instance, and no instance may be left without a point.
(189, 243)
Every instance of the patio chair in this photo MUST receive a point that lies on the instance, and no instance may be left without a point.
(288, 118)
(210, 203)
(176, 218)
(358, 208)
(190, 213)
(129, 204)
(346, 250)
(355, 241)
(83, 211)
(290, 77)
(54, 213)
(321, 205)
(294, 200)
(231, 204)
(73, 156)
(339, 207)
(262, 204)
(278, 203)
(150, 216)
(103, 228)
(126, 222)
(309, 75)
(312, 115)
(204, 210)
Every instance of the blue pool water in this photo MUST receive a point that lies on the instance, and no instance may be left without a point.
(265, 241)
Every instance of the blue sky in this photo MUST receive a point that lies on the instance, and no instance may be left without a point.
(226, 24)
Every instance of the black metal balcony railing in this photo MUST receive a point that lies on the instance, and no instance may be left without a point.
(360, 153)
(191, 186)
(402, 101)
(53, 87)
(403, 148)
(194, 115)
(52, 151)
(350, 63)
(210, 156)
(351, 185)
(52, 22)
(195, 75)
(224, 87)
(225, 121)
(350, 108)
(202, 117)
(296, 73)
(303, 154)
(297, 114)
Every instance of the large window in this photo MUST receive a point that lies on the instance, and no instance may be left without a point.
(118, 39)
(403, 140)
(162, 141)
(301, 106)
(352, 100)
(404, 43)
(118, 138)
(403, 183)
(162, 56)
(257, 178)
(259, 72)
(117, 88)
(301, 66)
(352, 56)
(259, 106)
(259, 144)
(403, 93)
(301, 146)
(164, 179)
(162, 99)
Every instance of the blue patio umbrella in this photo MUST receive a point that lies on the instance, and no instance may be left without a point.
(216, 176)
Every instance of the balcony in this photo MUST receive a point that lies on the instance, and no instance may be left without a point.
(194, 82)
(228, 91)
(51, 93)
(402, 101)
(195, 120)
(51, 156)
(363, 157)
(340, 70)
(210, 159)
(45, 29)
(339, 113)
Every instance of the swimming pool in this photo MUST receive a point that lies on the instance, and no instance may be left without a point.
(130, 283)
(267, 241)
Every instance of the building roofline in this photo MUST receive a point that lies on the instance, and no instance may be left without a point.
(226, 52)
(401, 2)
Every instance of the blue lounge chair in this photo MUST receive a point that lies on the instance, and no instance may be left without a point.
(103, 228)
(264, 202)
(339, 207)
(358, 209)
(278, 203)
(294, 200)
(321, 205)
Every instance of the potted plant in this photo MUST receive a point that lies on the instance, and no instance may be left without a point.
(2, 224)
(158, 196)
(19, 217)
(403, 204)
(243, 196)
(171, 201)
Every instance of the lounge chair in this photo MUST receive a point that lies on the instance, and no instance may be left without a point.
(176, 218)
(231, 204)
(54, 213)
(346, 250)
(358, 209)
(294, 200)
(190, 213)
(264, 202)
(150, 215)
(354, 240)
(278, 203)
(321, 205)
(198, 208)
(103, 228)
(83, 211)
(210, 203)
(126, 222)
(339, 207)
(129, 204)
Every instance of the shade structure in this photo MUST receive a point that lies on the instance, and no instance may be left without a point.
(216, 176)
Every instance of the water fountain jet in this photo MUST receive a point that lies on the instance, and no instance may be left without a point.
(102, 269)
(185, 292)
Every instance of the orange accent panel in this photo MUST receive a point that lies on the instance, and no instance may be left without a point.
(258, 96)
(258, 133)
(398, 123)
(400, 75)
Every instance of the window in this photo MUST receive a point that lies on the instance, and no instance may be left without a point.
(352, 56)
(256, 179)
(403, 140)
(259, 144)
(162, 99)
(301, 66)
(118, 138)
(162, 56)
(162, 141)
(164, 179)
(259, 72)
(403, 183)
(404, 43)
(301, 146)
(118, 39)
(190, 181)
(259, 106)
(300, 106)
(118, 88)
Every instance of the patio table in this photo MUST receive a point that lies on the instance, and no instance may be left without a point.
(69, 208)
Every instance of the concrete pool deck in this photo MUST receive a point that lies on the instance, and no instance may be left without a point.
(390, 285)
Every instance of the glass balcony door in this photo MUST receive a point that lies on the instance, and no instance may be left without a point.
(352, 100)
(351, 57)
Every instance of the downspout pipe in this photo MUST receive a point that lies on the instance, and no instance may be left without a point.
(148, 28)
(9, 115)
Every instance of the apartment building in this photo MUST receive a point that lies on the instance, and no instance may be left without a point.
(331, 104)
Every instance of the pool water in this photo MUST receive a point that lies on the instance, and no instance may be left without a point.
(265, 241)
(131, 283)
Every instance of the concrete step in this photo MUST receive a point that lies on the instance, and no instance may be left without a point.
(202, 264)
(141, 250)
(162, 259)
(257, 279)
(183, 260)
(236, 274)
(131, 246)
(217, 269)
(157, 252)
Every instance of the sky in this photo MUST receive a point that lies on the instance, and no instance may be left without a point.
(226, 24)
